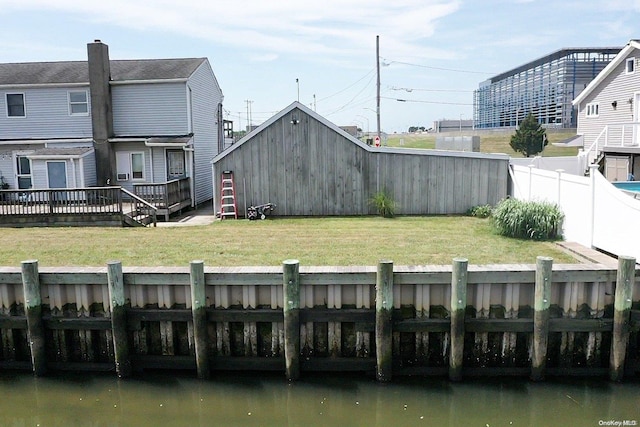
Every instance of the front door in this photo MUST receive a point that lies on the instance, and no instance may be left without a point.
(57, 176)
(57, 173)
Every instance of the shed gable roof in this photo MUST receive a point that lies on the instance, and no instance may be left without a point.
(632, 46)
(63, 72)
(350, 138)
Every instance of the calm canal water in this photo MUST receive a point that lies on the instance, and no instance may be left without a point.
(332, 400)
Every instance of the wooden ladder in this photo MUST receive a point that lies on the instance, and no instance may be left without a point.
(228, 207)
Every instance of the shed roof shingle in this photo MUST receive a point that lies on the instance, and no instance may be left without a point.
(31, 73)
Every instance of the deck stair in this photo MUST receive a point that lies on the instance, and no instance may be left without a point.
(141, 212)
(228, 205)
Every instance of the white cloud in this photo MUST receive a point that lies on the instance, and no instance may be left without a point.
(334, 28)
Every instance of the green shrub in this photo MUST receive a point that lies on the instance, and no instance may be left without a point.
(384, 204)
(481, 211)
(528, 220)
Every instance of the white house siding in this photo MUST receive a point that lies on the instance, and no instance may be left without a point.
(47, 115)
(156, 109)
(137, 148)
(206, 95)
(159, 164)
(619, 87)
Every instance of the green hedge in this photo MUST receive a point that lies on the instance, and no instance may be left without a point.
(528, 220)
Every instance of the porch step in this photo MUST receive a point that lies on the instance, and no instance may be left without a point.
(136, 220)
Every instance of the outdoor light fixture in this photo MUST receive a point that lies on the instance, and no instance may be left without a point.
(294, 120)
(614, 104)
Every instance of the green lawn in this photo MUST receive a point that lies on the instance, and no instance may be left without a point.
(490, 142)
(314, 241)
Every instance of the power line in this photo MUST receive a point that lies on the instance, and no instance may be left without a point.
(410, 89)
(348, 87)
(352, 99)
(426, 102)
(388, 62)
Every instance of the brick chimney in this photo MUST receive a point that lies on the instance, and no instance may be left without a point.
(101, 112)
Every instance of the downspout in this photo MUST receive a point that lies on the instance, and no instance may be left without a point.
(192, 184)
(153, 179)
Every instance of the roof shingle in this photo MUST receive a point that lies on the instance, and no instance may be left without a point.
(32, 73)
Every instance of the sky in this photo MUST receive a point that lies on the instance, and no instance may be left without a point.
(267, 54)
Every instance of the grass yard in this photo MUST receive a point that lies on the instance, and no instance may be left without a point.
(490, 142)
(314, 241)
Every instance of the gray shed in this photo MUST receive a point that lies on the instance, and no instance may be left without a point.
(307, 165)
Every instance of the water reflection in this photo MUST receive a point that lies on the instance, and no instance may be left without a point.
(318, 400)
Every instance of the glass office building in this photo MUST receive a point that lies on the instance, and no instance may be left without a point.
(545, 87)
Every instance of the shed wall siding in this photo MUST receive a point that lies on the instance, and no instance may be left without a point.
(310, 169)
(205, 97)
(47, 115)
(617, 86)
(149, 109)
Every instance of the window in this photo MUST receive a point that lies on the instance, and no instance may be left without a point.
(15, 105)
(137, 165)
(175, 164)
(78, 104)
(593, 110)
(630, 66)
(129, 166)
(23, 170)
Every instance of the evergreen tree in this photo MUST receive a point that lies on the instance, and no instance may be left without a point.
(530, 137)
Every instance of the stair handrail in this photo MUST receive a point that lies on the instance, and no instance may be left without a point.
(144, 202)
(595, 143)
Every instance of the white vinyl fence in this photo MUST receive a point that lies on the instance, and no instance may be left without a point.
(575, 165)
(596, 214)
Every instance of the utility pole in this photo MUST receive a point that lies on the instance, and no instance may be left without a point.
(249, 102)
(378, 83)
(314, 102)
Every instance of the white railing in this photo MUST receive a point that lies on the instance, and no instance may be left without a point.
(613, 135)
(596, 214)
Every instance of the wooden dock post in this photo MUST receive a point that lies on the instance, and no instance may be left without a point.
(622, 308)
(33, 312)
(199, 310)
(291, 309)
(118, 318)
(542, 301)
(458, 307)
(384, 328)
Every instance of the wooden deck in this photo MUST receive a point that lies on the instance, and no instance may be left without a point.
(168, 197)
(94, 206)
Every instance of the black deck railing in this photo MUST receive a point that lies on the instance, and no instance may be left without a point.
(77, 201)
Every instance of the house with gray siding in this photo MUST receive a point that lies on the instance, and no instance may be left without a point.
(609, 115)
(145, 125)
(309, 166)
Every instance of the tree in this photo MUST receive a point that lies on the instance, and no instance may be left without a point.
(530, 137)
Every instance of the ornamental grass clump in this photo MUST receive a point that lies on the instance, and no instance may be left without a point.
(384, 204)
(528, 220)
(480, 211)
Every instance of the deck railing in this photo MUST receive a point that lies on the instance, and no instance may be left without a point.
(166, 194)
(614, 135)
(77, 201)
